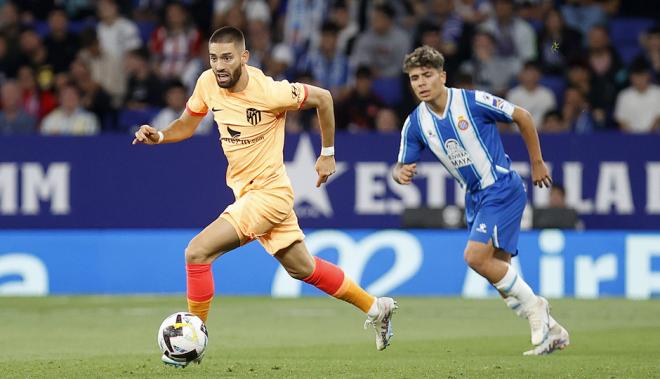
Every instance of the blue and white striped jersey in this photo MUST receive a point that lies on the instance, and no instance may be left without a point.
(465, 138)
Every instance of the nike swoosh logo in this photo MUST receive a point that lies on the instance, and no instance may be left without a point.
(216, 109)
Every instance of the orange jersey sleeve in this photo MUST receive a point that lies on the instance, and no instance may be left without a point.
(285, 96)
(196, 104)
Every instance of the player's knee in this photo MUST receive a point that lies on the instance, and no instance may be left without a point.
(300, 272)
(196, 254)
(475, 259)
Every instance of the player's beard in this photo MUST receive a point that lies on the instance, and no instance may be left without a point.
(233, 78)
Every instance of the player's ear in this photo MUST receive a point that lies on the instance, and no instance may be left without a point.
(245, 57)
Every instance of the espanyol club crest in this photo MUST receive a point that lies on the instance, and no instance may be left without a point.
(463, 124)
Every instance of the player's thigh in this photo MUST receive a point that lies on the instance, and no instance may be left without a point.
(256, 213)
(502, 255)
(296, 260)
(217, 238)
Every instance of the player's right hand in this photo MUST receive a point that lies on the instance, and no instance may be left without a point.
(404, 173)
(146, 135)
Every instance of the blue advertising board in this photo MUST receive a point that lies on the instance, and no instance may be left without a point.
(396, 262)
(612, 180)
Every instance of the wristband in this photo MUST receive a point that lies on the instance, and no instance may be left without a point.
(328, 151)
(161, 137)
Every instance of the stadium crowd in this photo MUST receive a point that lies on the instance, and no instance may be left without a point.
(82, 67)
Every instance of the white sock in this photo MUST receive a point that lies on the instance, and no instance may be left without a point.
(513, 285)
(374, 311)
(514, 305)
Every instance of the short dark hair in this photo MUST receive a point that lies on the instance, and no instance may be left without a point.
(560, 188)
(423, 56)
(329, 27)
(387, 9)
(228, 34)
(363, 72)
(532, 64)
(640, 66)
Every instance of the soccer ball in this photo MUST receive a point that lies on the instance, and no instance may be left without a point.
(183, 337)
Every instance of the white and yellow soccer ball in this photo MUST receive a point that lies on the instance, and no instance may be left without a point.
(183, 337)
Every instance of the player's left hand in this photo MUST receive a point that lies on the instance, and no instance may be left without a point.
(325, 166)
(540, 175)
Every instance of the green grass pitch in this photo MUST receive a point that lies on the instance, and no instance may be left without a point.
(115, 337)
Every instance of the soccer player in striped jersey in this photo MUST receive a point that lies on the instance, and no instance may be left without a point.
(459, 127)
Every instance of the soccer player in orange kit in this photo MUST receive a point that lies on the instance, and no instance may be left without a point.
(250, 110)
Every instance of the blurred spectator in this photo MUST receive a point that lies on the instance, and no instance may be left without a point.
(384, 46)
(340, 14)
(70, 118)
(431, 35)
(92, 96)
(514, 37)
(144, 87)
(473, 11)
(175, 100)
(62, 46)
(651, 53)
(557, 43)
(558, 214)
(79, 9)
(577, 112)
(36, 102)
(259, 43)
(106, 69)
(248, 11)
(327, 65)
(387, 121)
(638, 106)
(302, 23)
(579, 76)
(34, 53)
(464, 80)
(491, 73)
(608, 75)
(280, 63)
(196, 66)
(116, 34)
(441, 15)
(553, 122)
(557, 196)
(529, 94)
(583, 14)
(13, 119)
(9, 39)
(174, 43)
(358, 112)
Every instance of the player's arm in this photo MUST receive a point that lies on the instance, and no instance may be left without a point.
(182, 128)
(540, 175)
(321, 99)
(410, 149)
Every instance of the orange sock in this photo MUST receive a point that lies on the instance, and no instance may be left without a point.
(199, 279)
(331, 280)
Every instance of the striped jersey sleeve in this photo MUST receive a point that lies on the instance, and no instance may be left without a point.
(492, 107)
(411, 145)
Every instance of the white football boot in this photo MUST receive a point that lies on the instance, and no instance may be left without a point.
(558, 339)
(173, 362)
(539, 318)
(382, 323)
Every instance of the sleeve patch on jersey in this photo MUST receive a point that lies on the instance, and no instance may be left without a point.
(494, 102)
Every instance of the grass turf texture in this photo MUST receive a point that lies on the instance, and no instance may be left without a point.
(84, 337)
